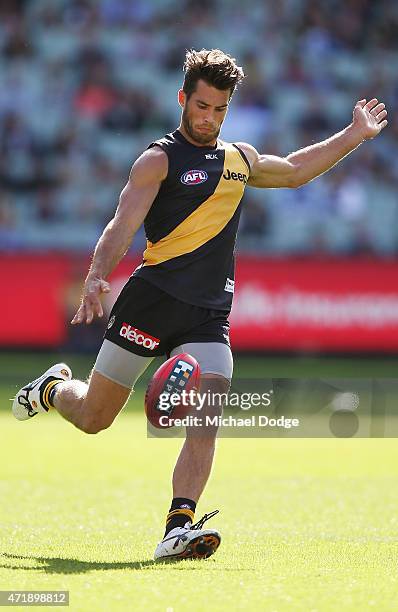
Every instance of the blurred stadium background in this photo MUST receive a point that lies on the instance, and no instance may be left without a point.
(86, 85)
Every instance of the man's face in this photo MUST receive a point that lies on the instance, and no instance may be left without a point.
(204, 112)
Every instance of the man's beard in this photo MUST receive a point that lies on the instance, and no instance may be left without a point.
(197, 136)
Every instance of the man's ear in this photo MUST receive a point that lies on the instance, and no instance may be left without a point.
(181, 98)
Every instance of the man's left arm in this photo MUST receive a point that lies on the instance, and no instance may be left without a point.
(304, 165)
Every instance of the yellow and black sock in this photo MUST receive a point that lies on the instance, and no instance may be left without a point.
(182, 511)
(47, 391)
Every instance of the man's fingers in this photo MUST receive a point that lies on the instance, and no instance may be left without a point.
(361, 103)
(99, 310)
(79, 316)
(91, 303)
(381, 115)
(383, 124)
(377, 109)
(371, 104)
(93, 306)
(86, 312)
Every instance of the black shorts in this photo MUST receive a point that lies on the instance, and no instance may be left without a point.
(148, 321)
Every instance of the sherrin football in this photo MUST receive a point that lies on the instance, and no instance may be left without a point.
(164, 400)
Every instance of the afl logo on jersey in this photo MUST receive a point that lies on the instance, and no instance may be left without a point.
(194, 177)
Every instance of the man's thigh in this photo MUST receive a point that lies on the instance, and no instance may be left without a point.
(103, 402)
(115, 372)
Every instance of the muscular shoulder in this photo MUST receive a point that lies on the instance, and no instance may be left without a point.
(152, 164)
(250, 152)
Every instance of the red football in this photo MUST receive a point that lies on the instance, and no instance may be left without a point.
(164, 399)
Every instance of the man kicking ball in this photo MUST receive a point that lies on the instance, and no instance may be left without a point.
(186, 188)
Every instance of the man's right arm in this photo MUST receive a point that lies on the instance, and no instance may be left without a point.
(137, 197)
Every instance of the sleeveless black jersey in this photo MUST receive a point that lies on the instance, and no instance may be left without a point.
(192, 224)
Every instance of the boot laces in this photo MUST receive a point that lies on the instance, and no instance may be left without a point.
(24, 401)
(203, 520)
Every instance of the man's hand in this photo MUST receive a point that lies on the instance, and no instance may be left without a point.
(91, 303)
(369, 118)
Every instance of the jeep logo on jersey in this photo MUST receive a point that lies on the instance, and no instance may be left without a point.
(194, 177)
(235, 176)
(132, 334)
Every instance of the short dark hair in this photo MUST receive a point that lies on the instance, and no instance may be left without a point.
(215, 67)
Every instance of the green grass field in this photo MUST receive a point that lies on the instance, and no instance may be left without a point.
(306, 524)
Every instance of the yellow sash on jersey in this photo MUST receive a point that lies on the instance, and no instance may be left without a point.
(209, 219)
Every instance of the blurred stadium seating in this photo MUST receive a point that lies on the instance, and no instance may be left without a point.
(86, 85)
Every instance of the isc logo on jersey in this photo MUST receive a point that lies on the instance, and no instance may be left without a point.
(132, 334)
(194, 177)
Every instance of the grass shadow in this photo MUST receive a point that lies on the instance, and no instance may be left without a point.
(58, 565)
